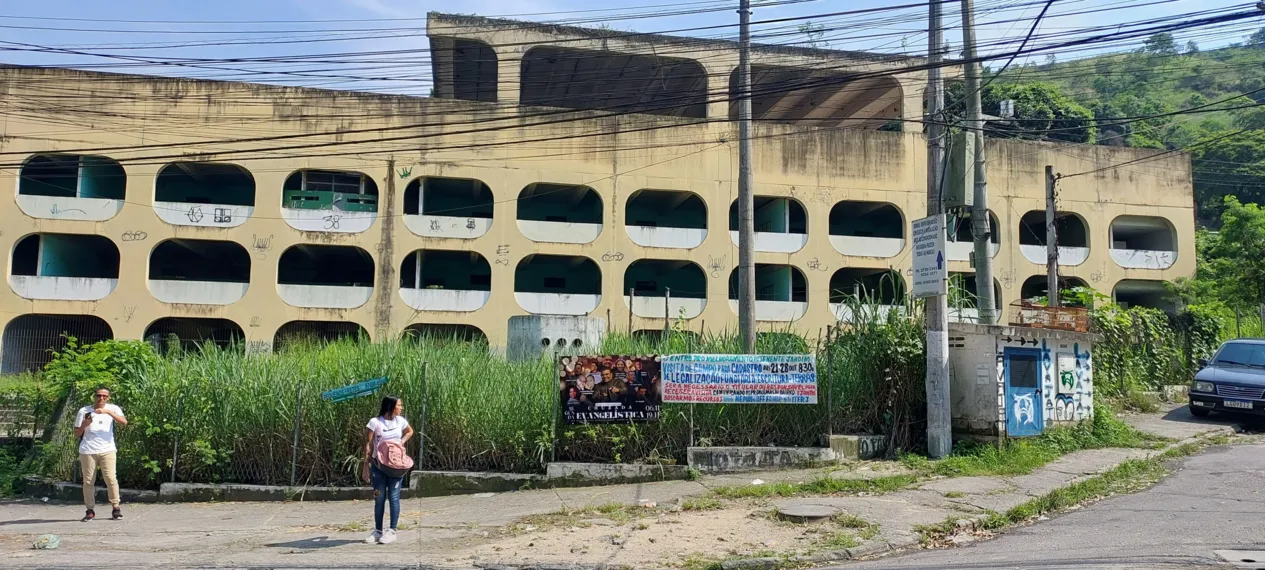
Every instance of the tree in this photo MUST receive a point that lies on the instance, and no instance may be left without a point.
(1257, 38)
(1234, 260)
(1042, 112)
(1192, 48)
(1232, 166)
(1160, 44)
(814, 34)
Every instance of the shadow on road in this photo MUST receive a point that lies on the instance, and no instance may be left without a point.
(1243, 422)
(315, 543)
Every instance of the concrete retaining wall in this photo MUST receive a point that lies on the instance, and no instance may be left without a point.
(587, 474)
(856, 446)
(441, 483)
(735, 459)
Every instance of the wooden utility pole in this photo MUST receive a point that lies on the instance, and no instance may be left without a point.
(1051, 241)
(939, 418)
(746, 199)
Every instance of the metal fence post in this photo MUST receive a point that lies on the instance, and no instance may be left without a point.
(294, 449)
(175, 446)
(830, 394)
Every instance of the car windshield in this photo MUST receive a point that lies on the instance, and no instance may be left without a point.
(1241, 354)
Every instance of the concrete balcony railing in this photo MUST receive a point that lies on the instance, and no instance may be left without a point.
(328, 221)
(557, 303)
(1143, 258)
(62, 288)
(324, 296)
(775, 311)
(447, 226)
(776, 242)
(64, 208)
(559, 232)
(1067, 255)
(456, 300)
(962, 250)
(203, 215)
(844, 311)
(868, 246)
(197, 292)
(679, 307)
(679, 238)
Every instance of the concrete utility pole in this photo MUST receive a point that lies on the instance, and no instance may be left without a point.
(939, 418)
(1051, 241)
(979, 210)
(746, 200)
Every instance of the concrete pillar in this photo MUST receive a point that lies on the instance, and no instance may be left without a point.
(441, 52)
(509, 74)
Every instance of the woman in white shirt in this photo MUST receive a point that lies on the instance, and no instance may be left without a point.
(390, 425)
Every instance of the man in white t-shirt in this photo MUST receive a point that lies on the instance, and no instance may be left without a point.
(94, 425)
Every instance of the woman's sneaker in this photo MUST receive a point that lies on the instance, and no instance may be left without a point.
(374, 538)
(388, 536)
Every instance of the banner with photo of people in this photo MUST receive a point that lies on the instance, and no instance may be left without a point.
(609, 389)
(740, 378)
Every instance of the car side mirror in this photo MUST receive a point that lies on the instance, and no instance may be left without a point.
(1202, 362)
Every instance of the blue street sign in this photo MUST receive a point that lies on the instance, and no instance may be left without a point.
(354, 391)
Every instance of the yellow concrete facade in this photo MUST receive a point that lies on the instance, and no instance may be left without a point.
(146, 123)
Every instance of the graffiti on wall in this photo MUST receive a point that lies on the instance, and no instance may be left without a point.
(1067, 381)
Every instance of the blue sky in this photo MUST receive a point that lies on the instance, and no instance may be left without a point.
(400, 25)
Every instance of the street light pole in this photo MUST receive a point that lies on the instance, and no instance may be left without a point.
(939, 421)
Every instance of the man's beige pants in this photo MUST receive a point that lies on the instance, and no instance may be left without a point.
(88, 464)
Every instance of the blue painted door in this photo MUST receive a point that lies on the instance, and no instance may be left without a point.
(1023, 392)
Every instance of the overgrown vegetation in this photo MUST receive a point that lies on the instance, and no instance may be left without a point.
(819, 486)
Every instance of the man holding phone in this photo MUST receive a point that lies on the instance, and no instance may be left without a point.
(95, 428)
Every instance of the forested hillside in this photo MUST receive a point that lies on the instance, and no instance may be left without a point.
(1165, 96)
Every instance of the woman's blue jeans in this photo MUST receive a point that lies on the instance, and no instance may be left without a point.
(387, 488)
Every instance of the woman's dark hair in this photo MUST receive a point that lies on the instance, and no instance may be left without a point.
(388, 405)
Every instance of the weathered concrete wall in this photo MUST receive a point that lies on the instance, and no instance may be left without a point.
(737, 459)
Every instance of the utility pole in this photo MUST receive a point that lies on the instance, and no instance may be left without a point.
(980, 229)
(746, 200)
(939, 418)
(1051, 241)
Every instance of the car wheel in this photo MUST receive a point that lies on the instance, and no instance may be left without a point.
(1199, 412)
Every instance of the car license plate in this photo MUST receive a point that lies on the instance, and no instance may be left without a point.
(1237, 404)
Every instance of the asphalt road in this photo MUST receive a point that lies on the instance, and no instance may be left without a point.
(1214, 501)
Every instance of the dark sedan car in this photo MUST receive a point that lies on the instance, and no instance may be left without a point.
(1233, 381)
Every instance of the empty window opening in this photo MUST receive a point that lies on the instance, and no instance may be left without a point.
(463, 69)
(1069, 228)
(962, 292)
(774, 283)
(189, 334)
(452, 270)
(455, 197)
(307, 333)
(200, 260)
(583, 79)
(31, 340)
(866, 219)
(665, 209)
(72, 176)
(440, 333)
(960, 229)
(872, 286)
(1143, 233)
(1144, 293)
(653, 278)
(205, 183)
(819, 98)
(560, 203)
(773, 215)
(330, 190)
(66, 255)
(329, 265)
(1037, 288)
(558, 274)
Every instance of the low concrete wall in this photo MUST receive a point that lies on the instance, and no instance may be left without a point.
(39, 487)
(588, 474)
(856, 446)
(441, 483)
(202, 492)
(735, 459)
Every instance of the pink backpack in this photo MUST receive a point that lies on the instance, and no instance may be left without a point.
(392, 459)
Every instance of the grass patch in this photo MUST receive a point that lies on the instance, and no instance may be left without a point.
(1019, 457)
(866, 530)
(698, 561)
(354, 526)
(954, 495)
(839, 540)
(820, 486)
(702, 504)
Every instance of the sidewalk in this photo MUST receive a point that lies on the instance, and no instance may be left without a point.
(487, 530)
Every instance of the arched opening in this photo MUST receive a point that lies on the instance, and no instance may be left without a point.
(445, 333)
(960, 243)
(628, 83)
(67, 267)
(31, 340)
(819, 97)
(325, 276)
(867, 229)
(871, 286)
(963, 301)
(781, 224)
(435, 206)
(72, 176)
(200, 272)
(441, 280)
(1036, 288)
(300, 333)
(1143, 242)
(191, 334)
(558, 284)
(559, 213)
(226, 190)
(329, 201)
(665, 289)
(666, 218)
(781, 292)
(1072, 232)
(1144, 293)
(463, 69)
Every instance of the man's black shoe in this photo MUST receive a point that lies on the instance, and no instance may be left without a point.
(89, 516)
(116, 514)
